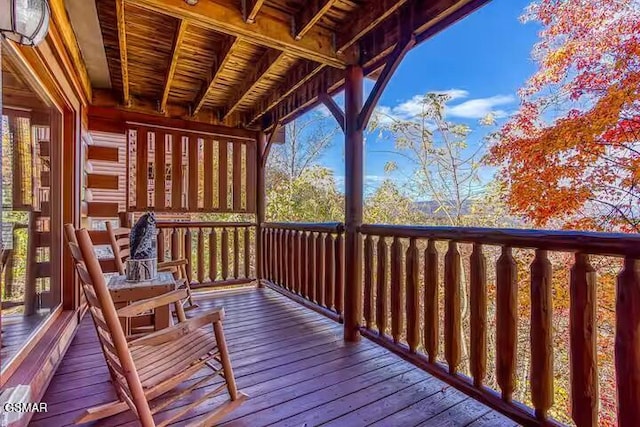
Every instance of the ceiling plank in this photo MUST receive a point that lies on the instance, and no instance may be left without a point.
(297, 76)
(219, 64)
(267, 31)
(263, 67)
(371, 15)
(175, 52)
(251, 9)
(309, 15)
(122, 41)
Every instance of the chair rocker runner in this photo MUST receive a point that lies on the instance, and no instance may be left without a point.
(119, 239)
(155, 365)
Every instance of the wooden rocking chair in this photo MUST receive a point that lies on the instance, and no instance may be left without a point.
(156, 364)
(119, 238)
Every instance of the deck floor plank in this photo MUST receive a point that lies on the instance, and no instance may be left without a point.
(293, 364)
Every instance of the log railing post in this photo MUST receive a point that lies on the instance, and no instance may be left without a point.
(582, 326)
(452, 314)
(431, 318)
(541, 335)
(506, 322)
(368, 281)
(381, 287)
(354, 180)
(478, 306)
(627, 347)
(412, 306)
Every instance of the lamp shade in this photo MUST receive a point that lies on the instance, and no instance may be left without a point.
(24, 21)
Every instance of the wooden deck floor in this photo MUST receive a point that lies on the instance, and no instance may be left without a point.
(295, 368)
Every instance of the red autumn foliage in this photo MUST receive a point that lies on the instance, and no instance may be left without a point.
(570, 157)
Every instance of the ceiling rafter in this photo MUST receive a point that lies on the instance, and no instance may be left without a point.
(267, 31)
(309, 15)
(250, 9)
(122, 41)
(371, 15)
(175, 53)
(263, 67)
(297, 76)
(219, 64)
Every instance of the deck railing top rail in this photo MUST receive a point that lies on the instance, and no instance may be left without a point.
(203, 224)
(323, 227)
(611, 244)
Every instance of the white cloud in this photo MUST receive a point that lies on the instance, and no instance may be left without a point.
(481, 107)
(470, 109)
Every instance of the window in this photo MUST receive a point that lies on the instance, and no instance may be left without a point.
(28, 293)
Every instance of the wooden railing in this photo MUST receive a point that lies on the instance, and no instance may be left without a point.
(306, 262)
(218, 253)
(400, 261)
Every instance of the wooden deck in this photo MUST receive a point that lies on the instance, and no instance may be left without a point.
(16, 330)
(296, 369)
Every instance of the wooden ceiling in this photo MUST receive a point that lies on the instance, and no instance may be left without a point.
(252, 63)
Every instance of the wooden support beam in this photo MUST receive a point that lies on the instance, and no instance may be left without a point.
(250, 9)
(370, 16)
(261, 142)
(175, 52)
(297, 76)
(226, 52)
(263, 67)
(334, 108)
(354, 192)
(268, 31)
(267, 149)
(122, 40)
(398, 54)
(309, 15)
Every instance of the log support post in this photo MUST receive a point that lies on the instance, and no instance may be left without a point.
(261, 152)
(354, 121)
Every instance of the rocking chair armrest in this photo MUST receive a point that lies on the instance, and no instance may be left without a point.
(141, 306)
(168, 265)
(183, 328)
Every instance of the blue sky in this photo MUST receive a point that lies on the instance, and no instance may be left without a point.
(484, 59)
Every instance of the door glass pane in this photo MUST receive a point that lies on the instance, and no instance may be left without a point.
(28, 292)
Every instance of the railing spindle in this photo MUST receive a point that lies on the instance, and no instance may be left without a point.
(284, 261)
(584, 367)
(431, 319)
(311, 252)
(161, 245)
(412, 306)
(247, 253)
(188, 254)
(381, 287)
(175, 244)
(478, 308)
(224, 249)
(201, 256)
(292, 260)
(368, 281)
(213, 251)
(541, 335)
(304, 271)
(396, 290)
(236, 253)
(276, 255)
(320, 269)
(280, 243)
(506, 322)
(452, 313)
(627, 346)
(329, 270)
(339, 263)
(299, 256)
